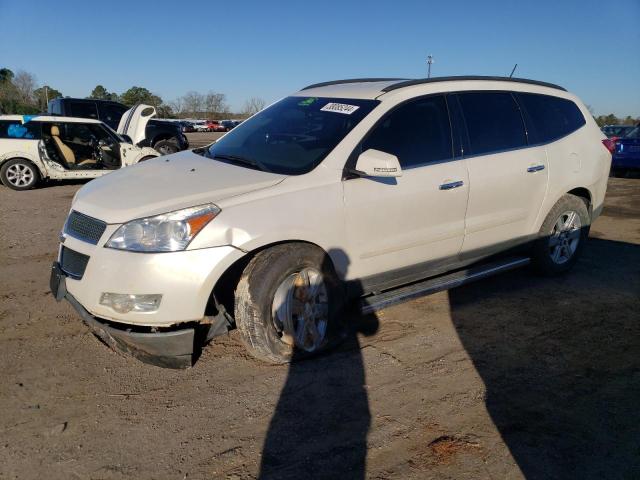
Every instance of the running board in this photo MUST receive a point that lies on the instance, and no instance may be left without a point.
(386, 299)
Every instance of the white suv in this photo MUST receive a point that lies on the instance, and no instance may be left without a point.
(40, 147)
(344, 190)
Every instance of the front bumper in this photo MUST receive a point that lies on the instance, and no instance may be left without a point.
(173, 348)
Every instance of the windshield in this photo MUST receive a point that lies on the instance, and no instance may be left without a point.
(635, 133)
(292, 136)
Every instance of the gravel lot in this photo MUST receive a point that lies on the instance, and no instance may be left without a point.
(515, 376)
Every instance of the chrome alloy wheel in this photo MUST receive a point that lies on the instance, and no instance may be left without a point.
(20, 175)
(565, 237)
(300, 310)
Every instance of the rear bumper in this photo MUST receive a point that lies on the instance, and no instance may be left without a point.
(625, 161)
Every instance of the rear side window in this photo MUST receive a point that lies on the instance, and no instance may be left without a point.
(417, 133)
(55, 107)
(550, 118)
(14, 129)
(494, 122)
(83, 109)
(111, 113)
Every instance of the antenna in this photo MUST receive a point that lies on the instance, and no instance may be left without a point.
(514, 69)
(429, 63)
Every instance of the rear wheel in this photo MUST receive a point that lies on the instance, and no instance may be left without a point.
(562, 236)
(19, 174)
(288, 302)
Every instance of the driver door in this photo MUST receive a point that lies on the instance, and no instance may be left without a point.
(405, 228)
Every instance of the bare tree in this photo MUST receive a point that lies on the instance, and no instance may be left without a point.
(193, 103)
(25, 84)
(215, 104)
(253, 106)
(177, 106)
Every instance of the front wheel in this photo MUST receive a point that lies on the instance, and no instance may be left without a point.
(166, 147)
(288, 303)
(19, 174)
(562, 236)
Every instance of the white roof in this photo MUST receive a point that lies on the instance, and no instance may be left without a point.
(375, 89)
(48, 118)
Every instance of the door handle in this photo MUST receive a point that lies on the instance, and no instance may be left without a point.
(535, 168)
(450, 185)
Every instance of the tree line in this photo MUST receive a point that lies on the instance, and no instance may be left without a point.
(20, 94)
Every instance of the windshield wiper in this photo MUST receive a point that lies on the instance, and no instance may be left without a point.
(240, 160)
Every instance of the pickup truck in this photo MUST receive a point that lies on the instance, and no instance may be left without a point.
(164, 137)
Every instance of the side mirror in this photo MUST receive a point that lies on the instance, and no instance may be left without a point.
(374, 163)
(127, 138)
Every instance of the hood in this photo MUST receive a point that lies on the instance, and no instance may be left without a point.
(134, 122)
(165, 184)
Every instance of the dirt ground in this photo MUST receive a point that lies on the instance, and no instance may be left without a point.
(516, 376)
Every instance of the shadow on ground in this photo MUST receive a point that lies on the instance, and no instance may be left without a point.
(561, 368)
(314, 432)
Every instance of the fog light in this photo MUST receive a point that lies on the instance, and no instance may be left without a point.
(126, 302)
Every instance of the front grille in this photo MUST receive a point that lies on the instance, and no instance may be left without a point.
(84, 228)
(73, 263)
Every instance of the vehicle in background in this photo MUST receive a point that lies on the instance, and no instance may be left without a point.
(186, 127)
(163, 136)
(202, 126)
(616, 130)
(341, 191)
(216, 126)
(34, 148)
(626, 155)
(228, 124)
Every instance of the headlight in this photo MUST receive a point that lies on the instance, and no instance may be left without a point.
(169, 232)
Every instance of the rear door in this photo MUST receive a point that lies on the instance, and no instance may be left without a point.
(401, 228)
(508, 177)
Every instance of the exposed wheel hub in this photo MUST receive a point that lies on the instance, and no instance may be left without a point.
(565, 237)
(300, 310)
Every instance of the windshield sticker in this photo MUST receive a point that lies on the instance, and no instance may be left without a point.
(340, 108)
(307, 101)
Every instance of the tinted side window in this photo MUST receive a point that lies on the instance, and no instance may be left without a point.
(83, 109)
(14, 129)
(493, 121)
(550, 117)
(418, 132)
(55, 108)
(111, 113)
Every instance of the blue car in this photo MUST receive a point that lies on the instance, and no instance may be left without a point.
(626, 156)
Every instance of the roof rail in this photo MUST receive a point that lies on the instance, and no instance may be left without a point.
(352, 80)
(408, 83)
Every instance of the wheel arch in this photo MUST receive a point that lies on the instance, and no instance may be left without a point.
(39, 168)
(585, 195)
(160, 137)
(22, 156)
(223, 292)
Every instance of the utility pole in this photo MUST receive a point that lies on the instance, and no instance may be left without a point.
(429, 63)
(46, 93)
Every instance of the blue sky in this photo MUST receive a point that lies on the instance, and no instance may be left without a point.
(271, 48)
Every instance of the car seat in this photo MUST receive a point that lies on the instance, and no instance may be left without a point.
(65, 152)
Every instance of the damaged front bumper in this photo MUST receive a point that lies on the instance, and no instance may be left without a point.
(177, 347)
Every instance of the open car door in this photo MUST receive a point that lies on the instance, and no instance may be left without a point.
(134, 122)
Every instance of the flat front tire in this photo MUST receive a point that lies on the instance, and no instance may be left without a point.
(19, 174)
(562, 236)
(288, 302)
